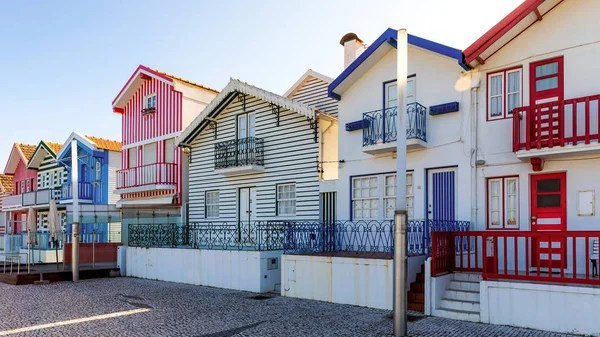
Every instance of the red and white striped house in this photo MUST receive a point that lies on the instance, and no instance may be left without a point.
(155, 108)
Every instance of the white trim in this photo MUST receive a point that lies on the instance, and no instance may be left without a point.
(79, 137)
(145, 188)
(136, 77)
(520, 71)
(489, 96)
(309, 73)
(152, 140)
(162, 200)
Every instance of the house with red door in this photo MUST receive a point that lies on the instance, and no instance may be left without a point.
(535, 102)
(155, 108)
(24, 180)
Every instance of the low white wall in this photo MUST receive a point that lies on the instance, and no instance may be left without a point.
(241, 270)
(435, 287)
(565, 309)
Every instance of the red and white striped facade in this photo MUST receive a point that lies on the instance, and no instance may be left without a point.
(165, 123)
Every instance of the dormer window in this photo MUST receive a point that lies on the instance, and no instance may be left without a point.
(149, 104)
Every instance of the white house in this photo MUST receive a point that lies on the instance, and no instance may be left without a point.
(537, 144)
(255, 167)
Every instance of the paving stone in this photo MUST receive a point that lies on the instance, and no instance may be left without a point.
(186, 310)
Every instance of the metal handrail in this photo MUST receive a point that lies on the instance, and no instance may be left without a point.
(239, 152)
(379, 126)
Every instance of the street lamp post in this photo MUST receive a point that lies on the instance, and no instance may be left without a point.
(75, 224)
(400, 216)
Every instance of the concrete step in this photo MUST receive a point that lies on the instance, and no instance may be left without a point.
(462, 295)
(416, 307)
(458, 315)
(418, 298)
(464, 285)
(468, 277)
(467, 306)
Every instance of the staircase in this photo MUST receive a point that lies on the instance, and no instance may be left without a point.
(416, 295)
(461, 298)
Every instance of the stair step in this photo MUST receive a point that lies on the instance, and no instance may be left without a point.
(416, 307)
(420, 277)
(468, 277)
(467, 306)
(462, 295)
(418, 298)
(458, 314)
(464, 285)
(417, 287)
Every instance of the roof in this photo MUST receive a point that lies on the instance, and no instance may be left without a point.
(54, 147)
(309, 73)
(19, 152)
(137, 79)
(519, 20)
(378, 49)
(6, 183)
(236, 86)
(48, 148)
(105, 144)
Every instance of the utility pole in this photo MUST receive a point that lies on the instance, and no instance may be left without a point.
(75, 224)
(400, 216)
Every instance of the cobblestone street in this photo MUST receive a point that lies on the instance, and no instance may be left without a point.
(152, 308)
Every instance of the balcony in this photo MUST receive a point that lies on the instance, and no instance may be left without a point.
(86, 192)
(379, 129)
(150, 177)
(12, 202)
(557, 129)
(239, 156)
(41, 197)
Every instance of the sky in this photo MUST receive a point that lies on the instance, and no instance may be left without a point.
(63, 62)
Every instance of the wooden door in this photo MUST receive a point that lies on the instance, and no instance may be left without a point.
(546, 86)
(247, 211)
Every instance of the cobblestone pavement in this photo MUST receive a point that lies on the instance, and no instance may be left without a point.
(171, 309)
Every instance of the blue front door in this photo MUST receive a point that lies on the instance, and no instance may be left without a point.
(442, 194)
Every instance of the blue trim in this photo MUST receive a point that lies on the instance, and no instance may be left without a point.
(357, 125)
(445, 108)
(390, 36)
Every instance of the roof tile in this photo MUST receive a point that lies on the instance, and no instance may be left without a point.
(6, 183)
(54, 147)
(187, 81)
(105, 144)
(26, 149)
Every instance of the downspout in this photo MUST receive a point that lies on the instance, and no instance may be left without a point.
(473, 159)
(322, 150)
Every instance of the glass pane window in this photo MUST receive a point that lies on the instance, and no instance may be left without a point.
(374, 197)
(286, 199)
(495, 202)
(211, 205)
(410, 198)
(546, 84)
(503, 203)
(546, 69)
(513, 90)
(150, 101)
(411, 90)
(504, 93)
(511, 201)
(390, 195)
(548, 185)
(496, 95)
(365, 197)
(548, 200)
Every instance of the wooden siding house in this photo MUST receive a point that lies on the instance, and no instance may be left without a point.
(6, 189)
(155, 108)
(24, 180)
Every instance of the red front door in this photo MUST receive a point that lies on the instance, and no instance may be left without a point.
(546, 85)
(549, 214)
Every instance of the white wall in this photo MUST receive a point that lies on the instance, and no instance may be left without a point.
(566, 309)
(114, 164)
(193, 102)
(438, 81)
(241, 270)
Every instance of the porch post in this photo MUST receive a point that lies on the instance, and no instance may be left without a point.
(75, 224)
(400, 217)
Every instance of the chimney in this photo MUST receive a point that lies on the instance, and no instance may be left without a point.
(353, 47)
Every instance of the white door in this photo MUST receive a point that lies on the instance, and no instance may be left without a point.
(247, 212)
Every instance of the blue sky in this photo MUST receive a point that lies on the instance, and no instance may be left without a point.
(63, 62)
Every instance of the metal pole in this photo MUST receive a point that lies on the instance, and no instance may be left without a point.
(75, 225)
(400, 217)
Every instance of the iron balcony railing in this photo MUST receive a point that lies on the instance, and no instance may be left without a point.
(239, 152)
(368, 238)
(217, 235)
(150, 174)
(41, 197)
(380, 126)
(86, 191)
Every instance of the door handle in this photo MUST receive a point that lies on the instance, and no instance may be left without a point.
(533, 218)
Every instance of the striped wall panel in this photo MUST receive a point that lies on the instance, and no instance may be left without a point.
(444, 195)
(290, 156)
(314, 93)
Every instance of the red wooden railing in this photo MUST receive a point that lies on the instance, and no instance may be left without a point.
(561, 257)
(150, 174)
(560, 123)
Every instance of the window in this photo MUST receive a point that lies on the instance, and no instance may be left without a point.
(390, 94)
(28, 185)
(246, 125)
(286, 199)
(504, 93)
(374, 197)
(170, 150)
(149, 153)
(150, 101)
(98, 171)
(211, 205)
(503, 203)
(133, 157)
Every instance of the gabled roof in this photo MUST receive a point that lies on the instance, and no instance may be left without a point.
(377, 50)
(234, 87)
(6, 183)
(19, 152)
(43, 150)
(137, 78)
(304, 78)
(519, 20)
(92, 143)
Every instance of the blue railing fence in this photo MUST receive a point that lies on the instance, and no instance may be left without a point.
(380, 126)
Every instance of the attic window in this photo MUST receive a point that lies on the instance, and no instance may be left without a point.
(149, 104)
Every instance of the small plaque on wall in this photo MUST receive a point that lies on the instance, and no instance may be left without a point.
(586, 203)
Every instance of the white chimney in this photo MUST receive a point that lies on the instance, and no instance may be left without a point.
(353, 47)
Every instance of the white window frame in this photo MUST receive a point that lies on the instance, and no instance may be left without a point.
(211, 202)
(410, 98)
(98, 171)
(503, 211)
(389, 197)
(152, 98)
(410, 195)
(504, 94)
(381, 195)
(286, 204)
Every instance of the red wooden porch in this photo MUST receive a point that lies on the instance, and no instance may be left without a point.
(557, 257)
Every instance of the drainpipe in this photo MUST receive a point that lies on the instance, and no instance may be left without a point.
(322, 149)
(473, 158)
